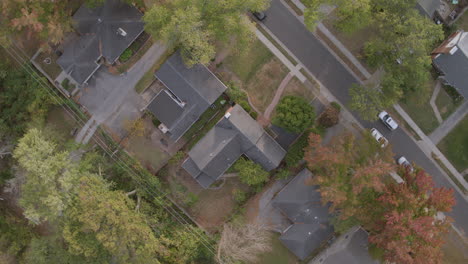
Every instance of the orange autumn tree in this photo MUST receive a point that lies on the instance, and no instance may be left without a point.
(353, 177)
(409, 230)
(349, 174)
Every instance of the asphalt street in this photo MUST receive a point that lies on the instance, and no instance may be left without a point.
(336, 78)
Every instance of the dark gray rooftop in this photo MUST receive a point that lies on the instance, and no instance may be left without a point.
(354, 251)
(428, 7)
(455, 66)
(234, 135)
(301, 203)
(196, 88)
(99, 29)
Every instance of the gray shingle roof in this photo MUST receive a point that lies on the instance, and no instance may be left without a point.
(196, 87)
(99, 37)
(455, 67)
(428, 7)
(301, 203)
(354, 251)
(231, 137)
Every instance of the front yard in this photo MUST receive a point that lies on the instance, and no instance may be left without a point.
(446, 104)
(257, 72)
(455, 145)
(47, 60)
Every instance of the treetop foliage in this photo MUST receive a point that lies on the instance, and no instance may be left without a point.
(294, 114)
(195, 25)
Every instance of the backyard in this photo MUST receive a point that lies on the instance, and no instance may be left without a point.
(47, 61)
(455, 145)
(279, 253)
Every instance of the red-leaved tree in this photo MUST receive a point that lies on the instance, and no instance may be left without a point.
(411, 229)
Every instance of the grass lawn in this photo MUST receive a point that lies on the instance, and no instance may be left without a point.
(262, 87)
(421, 111)
(355, 41)
(245, 65)
(454, 249)
(60, 124)
(462, 22)
(279, 253)
(297, 88)
(455, 145)
(136, 57)
(445, 104)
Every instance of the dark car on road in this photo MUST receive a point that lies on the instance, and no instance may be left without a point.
(260, 15)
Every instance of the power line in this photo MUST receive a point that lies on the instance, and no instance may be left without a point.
(61, 101)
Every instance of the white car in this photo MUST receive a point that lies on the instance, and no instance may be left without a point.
(402, 161)
(379, 137)
(388, 120)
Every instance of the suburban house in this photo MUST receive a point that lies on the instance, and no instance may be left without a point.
(428, 7)
(236, 134)
(104, 33)
(450, 59)
(350, 248)
(300, 203)
(188, 93)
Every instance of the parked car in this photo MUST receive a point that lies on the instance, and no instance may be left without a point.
(402, 161)
(379, 137)
(388, 120)
(260, 15)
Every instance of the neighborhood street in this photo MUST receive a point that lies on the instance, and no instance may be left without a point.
(329, 71)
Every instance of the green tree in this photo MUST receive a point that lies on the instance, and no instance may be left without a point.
(49, 177)
(184, 247)
(250, 173)
(102, 222)
(367, 101)
(294, 114)
(21, 100)
(195, 25)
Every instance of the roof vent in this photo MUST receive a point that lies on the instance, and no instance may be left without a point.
(453, 50)
(310, 233)
(315, 217)
(99, 20)
(121, 32)
(227, 115)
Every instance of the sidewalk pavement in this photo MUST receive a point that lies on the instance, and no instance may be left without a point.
(433, 104)
(452, 121)
(425, 144)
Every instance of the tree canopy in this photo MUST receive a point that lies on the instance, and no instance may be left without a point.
(401, 217)
(250, 172)
(294, 114)
(195, 25)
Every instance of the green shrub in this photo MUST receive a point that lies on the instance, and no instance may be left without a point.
(329, 117)
(336, 105)
(177, 157)
(283, 174)
(244, 104)
(453, 93)
(294, 114)
(239, 196)
(254, 115)
(235, 93)
(296, 151)
(191, 199)
(250, 173)
(126, 55)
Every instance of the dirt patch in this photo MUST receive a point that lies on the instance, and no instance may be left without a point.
(210, 208)
(262, 87)
(148, 148)
(297, 88)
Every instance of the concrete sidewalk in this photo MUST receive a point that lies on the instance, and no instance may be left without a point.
(452, 121)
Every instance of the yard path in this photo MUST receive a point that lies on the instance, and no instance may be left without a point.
(449, 123)
(277, 96)
(433, 104)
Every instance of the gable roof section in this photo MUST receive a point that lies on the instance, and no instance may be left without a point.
(300, 202)
(235, 134)
(454, 65)
(98, 28)
(79, 59)
(352, 251)
(428, 7)
(196, 88)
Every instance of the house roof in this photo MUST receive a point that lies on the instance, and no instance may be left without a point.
(454, 63)
(353, 250)
(195, 88)
(234, 135)
(301, 203)
(428, 7)
(99, 28)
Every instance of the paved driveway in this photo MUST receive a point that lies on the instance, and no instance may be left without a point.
(329, 71)
(112, 99)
